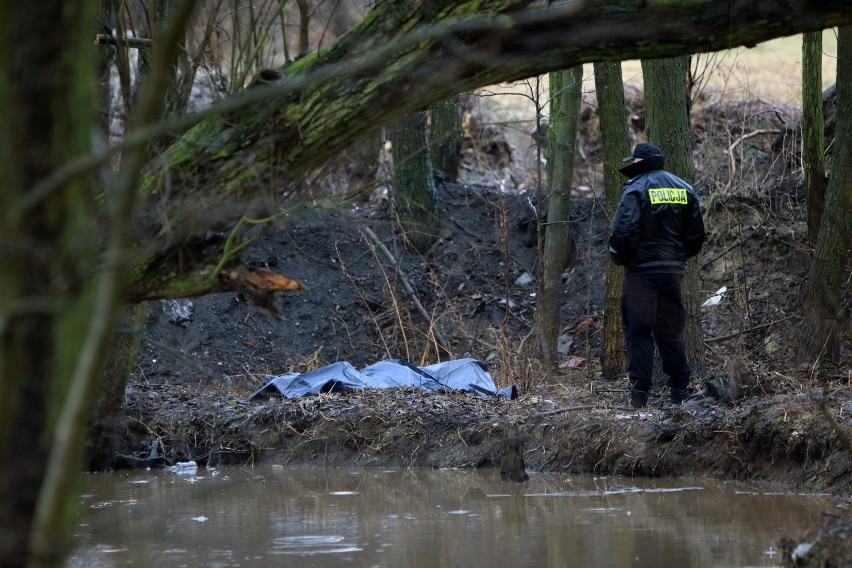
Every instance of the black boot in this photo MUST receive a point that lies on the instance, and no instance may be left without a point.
(679, 396)
(638, 399)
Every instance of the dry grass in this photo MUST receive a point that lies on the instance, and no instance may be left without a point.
(771, 70)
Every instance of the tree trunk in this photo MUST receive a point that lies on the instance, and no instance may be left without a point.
(445, 136)
(108, 424)
(175, 96)
(63, 342)
(566, 88)
(825, 315)
(667, 125)
(612, 116)
(667, 120)
(103, 86)
(813, 131)
(223, 168)
(414, 193)
(46, 280)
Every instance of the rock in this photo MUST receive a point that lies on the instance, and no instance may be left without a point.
(512, 466)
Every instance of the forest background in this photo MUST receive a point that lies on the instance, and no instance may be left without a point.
(67, 263)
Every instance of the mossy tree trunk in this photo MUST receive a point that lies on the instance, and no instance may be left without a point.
(667, 125)
(414, 194)
(50, 249)
(813, 131)
(825, 315)
(61, 280)
(445, 137)
(566, 88)
(612, 115)
(108, 423)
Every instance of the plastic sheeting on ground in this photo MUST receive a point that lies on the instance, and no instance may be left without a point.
(467, 375)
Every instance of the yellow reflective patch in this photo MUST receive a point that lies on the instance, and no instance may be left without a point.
(667, 195)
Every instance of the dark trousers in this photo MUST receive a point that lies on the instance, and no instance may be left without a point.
(652, 311)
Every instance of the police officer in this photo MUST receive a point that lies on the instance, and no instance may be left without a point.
(656, 228)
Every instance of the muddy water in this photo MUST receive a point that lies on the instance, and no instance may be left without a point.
(275, 516)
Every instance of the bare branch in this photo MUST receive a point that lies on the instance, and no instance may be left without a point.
(129, 42)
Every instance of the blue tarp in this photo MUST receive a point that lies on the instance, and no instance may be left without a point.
(467, 375)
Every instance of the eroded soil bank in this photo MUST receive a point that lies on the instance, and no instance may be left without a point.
(784, 440)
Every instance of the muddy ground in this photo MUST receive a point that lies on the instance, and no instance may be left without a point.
(202, 359)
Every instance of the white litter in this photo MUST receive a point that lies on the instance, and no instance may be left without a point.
(802, 551)
(524, 279)
(716, 298)
(184, 468)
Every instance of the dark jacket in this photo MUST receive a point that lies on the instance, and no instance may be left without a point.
(658, 224)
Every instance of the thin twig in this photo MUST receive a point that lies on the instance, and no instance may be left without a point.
(439, 336)
(131, 42)
(744, 331)
(736, 143)
(568, 409)
(738, 243)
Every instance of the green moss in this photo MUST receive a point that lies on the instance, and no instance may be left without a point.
(177, 286)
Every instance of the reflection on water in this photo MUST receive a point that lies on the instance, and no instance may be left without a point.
(369, 517)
